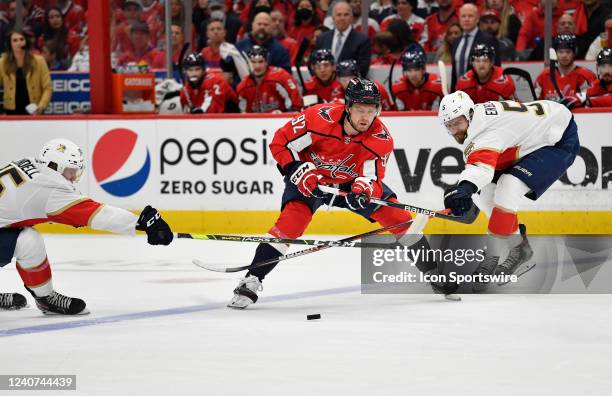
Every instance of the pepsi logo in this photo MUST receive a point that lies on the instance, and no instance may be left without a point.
(121, 162)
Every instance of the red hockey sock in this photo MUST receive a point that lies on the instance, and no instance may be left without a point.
(503, 222)
(293, 220)
(387, 216)
(35, 277)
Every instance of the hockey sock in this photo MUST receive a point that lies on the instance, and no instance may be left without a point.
(387, 216)
(32, 263)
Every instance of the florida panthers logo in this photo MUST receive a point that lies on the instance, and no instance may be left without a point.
(324, 113)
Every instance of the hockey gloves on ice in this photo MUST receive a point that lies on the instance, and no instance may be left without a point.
(305, 176)
(151, 222)
(459, 198)
(361, 192)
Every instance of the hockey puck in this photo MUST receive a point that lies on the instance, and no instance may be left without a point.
(313, 316)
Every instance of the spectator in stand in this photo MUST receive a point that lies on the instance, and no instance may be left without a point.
(373, 26)
(177, 39)
(152, 10)
(267, 89)
(590, 22)
(73, 15)
(565, 25)
(55, 58)
(405, 12)
(33, 18)
(343, 41)
(532, 29)
(55, 29)
(600, 94)
(382, 50)
(33, 21)
(452, 34)
(347, 70)
(279, 31)
(177, 12)
(437, 23)
(509, 22)
(573, 80)
(215, 34)
(486, 82)
(322, 87)
(206, 9)
(80, 60)
(24, 76)
(142, 51)
(306, 20)
(131, 12)
(416, 89)
(426, 8)
(471, 36)
(254, 7)
(7, 23)
(402, 37)
(490, 22)
(204, 92)
(261, 35)
(604, 40)
(380, 9)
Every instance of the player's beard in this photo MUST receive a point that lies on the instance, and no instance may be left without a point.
(460, 136)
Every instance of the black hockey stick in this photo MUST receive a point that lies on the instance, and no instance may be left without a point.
(313, 249)
(524, 74)
(552, 71)
(299, 59)
(289, 241)
(390, 83)
(180, 61)
(468, 218)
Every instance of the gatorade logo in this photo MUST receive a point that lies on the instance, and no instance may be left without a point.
(121, 162)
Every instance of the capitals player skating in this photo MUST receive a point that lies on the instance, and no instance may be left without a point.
(42, 189)
(333, 143)
(512, 150)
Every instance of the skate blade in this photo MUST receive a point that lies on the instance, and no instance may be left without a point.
(49, 313)
(521, 270)
(452, 297)
(240, 303)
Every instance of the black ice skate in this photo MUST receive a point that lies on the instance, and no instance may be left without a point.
(517, 262)
(487, 267)
(12, 301)
(58, 304)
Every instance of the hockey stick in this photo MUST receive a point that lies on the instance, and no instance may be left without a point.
(299, 59)
(289, 241)
(552, 71)
(313, 249)
(443, 77)
(390, 83)
(468, 218)
(180, 61)
(524, 74)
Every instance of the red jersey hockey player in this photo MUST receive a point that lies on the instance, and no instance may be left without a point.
(347, 70)
(268, 89)
(512, 150)
(573, 80)
(329, 143)
(600, 94)
(485, 81)
(40, 190)
(417, 89)
(323, 84)
(204, 92)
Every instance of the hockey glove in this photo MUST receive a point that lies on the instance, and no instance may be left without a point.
(151, 222)
(306, 177)
(459, 198)
(361, 192)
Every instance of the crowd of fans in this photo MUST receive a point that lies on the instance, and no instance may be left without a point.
(254, 44)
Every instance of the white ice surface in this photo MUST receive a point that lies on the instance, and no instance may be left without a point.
(363, 345)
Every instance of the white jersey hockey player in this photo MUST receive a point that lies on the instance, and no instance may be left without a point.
(511, 150)
(42, 189)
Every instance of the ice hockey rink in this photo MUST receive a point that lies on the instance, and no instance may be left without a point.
(159, 326)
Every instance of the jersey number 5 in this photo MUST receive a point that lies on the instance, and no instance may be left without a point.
(510, 105)
(13, 173)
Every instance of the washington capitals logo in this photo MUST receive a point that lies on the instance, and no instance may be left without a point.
(337, 169)
(382, 135)
(324, 113)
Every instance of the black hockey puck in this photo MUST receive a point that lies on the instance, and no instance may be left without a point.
(313, 316)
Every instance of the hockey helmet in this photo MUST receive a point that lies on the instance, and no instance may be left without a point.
(565, 41)
(604, 57)
(347, 68)
(361, 90)
(57, 155)
(483, 50)
(257, 51)
(194, 59)
(413, 58)
(455, 105)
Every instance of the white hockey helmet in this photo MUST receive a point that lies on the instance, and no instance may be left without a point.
(455, 105)
(59, 154)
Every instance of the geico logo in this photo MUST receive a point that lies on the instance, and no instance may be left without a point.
(131, 81)
(216, 153)
(67, 107)
(71, 85)
(448, 161)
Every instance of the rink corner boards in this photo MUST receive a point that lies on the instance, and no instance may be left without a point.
(346, 223)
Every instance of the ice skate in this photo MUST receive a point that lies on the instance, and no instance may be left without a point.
(245, 293)
(12, 301)
(58, 304)
(487, 267)
(518, 260)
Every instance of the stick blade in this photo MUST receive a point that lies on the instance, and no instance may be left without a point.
(552, 54)
(209, 267)
(443, 77)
